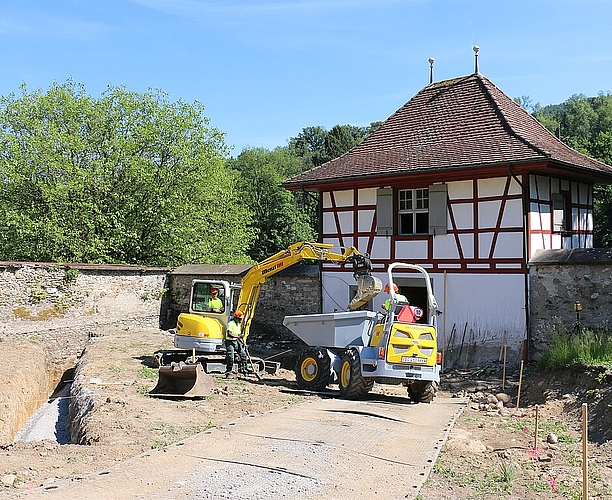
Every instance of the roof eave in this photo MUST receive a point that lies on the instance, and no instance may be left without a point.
(453, 172)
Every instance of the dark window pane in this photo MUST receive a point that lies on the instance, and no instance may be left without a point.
(422, 222)
(406, 224)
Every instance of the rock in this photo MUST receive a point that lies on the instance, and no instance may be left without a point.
(461, 440)
(9, 480)
(491, 399)
(552, 438)
(503, 397)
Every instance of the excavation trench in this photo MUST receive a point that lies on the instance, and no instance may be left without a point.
(37, 403)
(51, 420)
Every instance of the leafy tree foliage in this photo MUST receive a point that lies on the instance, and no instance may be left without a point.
(585, 124)
(126, 178)
(280, 217)
(316, 145)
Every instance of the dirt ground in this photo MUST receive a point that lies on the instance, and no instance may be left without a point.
(488, 455)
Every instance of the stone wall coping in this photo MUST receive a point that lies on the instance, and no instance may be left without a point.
(130, 268)
(210, 269)
(572, 256)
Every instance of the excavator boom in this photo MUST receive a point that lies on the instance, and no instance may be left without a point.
(368, 286)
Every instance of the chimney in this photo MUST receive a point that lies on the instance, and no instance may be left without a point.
(476, 48)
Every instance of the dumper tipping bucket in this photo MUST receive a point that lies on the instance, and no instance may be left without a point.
(182, 380)
(368, 287)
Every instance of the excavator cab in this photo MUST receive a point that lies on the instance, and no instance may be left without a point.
(203, 328)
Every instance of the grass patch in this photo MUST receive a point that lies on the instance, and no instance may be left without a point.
(147, 373)
(587, 347)
(545, 427)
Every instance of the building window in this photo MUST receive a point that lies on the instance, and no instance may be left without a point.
(413, 209)
(559, 212)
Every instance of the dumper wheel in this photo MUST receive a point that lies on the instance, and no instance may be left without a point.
(312, 369)
(422, 392)
(353, 385)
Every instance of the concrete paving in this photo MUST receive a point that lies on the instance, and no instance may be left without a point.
(382, 447)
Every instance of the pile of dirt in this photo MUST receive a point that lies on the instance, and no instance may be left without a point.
(489, 454)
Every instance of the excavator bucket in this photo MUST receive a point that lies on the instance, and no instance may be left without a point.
(368, 287)
(182, 380)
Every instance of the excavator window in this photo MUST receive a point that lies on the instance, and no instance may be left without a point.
(202, 298)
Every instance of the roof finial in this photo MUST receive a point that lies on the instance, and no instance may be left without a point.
(431, 63)
(476, 48)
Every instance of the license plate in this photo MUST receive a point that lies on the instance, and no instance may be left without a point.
(416, 361)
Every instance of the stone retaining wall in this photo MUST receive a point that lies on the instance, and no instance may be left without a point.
(560, 278)
(33, 294)
(51, 297)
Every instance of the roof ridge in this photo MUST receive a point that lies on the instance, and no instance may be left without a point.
(507, 122)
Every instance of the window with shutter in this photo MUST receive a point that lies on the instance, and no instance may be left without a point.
(413, 211)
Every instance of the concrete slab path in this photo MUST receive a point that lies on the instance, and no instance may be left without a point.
(382, 447)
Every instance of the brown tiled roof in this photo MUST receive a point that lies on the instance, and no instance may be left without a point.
(461, 123)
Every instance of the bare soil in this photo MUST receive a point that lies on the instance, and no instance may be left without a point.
(486, 456)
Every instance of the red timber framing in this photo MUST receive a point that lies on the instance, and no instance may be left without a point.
(485, 228)
(560, 214)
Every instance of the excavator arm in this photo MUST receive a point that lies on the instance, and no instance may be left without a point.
(367, 285)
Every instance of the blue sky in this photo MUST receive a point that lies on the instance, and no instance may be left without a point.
(265, 69)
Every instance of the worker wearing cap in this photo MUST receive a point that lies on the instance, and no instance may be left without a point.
(215, 303)
(234, 343)
(398, 296)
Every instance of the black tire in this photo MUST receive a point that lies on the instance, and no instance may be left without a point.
(422, 392)
(353, 385)
(312, 369)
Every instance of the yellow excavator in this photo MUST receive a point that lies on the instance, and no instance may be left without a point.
(200, 333)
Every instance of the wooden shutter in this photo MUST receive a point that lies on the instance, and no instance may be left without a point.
(384, 212)
(437, 209)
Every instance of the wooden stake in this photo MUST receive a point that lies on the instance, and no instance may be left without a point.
(444, 328)
(535, 436)
(585, 465)
(518, 398)
(504, 372)
(503, 343)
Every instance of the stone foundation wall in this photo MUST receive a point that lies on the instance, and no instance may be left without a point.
(560, 278)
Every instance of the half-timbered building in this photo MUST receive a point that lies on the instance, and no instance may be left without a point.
(462, 181)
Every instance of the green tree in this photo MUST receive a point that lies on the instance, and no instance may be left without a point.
(126, 178)
(316, 145)
(309, 145)
(280, 217)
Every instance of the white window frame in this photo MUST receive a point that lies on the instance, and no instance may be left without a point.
(412, 202)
